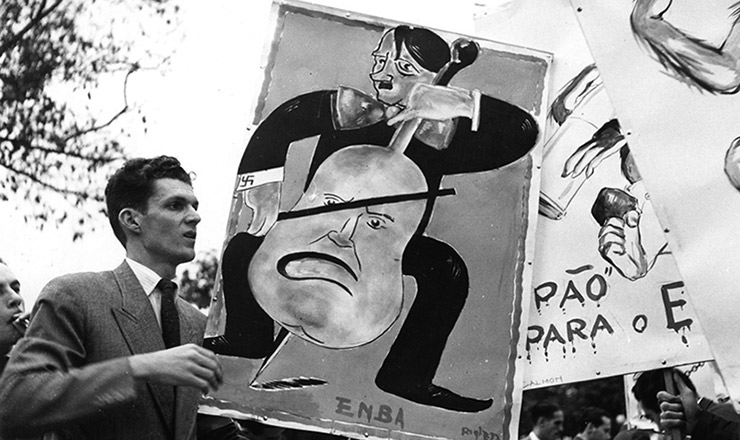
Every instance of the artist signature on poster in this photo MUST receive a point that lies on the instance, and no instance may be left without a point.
(480, 434)
(555, 380)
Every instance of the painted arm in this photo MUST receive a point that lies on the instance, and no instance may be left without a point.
(583, 98)
(261, 169)
(575, 93)
(505, 134)
(716, 70)
(437, 103)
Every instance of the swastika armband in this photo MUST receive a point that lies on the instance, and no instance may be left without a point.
(254, 179)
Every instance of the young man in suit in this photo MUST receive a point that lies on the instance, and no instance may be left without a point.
(116, 354)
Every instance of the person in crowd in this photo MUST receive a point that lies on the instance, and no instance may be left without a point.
(13, 318)
(594, 424)
(645, 390)
(681, 411)
(116, 354)
(695, 416)
(548, 421)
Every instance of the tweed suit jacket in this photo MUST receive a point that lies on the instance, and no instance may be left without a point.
(69, 374)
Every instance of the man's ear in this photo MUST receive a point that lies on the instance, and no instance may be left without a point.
(129, 220)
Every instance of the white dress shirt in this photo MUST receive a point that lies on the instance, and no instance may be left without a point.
(148, 280)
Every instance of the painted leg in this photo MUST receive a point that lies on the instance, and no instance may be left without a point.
(249, 330)
(442, 288)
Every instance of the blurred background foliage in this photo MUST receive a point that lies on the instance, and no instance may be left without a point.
(65, 115)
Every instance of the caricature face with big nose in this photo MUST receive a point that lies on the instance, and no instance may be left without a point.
(332, 274)
(395, 72)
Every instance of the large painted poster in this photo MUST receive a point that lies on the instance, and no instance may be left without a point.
(607, 297)
(671, 70)
(605, 282)
(372, 276)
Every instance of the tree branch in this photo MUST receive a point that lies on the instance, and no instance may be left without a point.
(31, 24)
(94, 127)
(18, 143)
(36, 180)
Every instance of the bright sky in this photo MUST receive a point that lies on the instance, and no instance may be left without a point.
(197, 111)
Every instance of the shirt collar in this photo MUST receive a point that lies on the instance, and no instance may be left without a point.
(147, 277)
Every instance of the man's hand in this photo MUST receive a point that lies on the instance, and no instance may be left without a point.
(264, 201)
(11, 331)
(679, 411)
(20, 322)
(435, 103)
(185, 365)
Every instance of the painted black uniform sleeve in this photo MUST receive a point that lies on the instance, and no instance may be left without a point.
(505, 134)
(299, 118)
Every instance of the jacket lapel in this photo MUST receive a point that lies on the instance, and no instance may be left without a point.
(139, 327)
(136, 317)
(191, 331)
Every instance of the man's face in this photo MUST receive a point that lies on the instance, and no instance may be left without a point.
(168, 228)
(335, 277)
(601, 432)
(11, 306)
(394, 74)
(551, 429)
(649, 413)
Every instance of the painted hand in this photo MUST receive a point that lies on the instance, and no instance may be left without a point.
(574, 93)
(620, 244)
(264, 201)
(606, 141)
(435, 103)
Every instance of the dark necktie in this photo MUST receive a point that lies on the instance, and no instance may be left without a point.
(168, 313)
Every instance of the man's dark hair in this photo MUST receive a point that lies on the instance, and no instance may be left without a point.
(133, 184)
(649, 383)
(425, 47)
(546, 410)
(594, 416)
